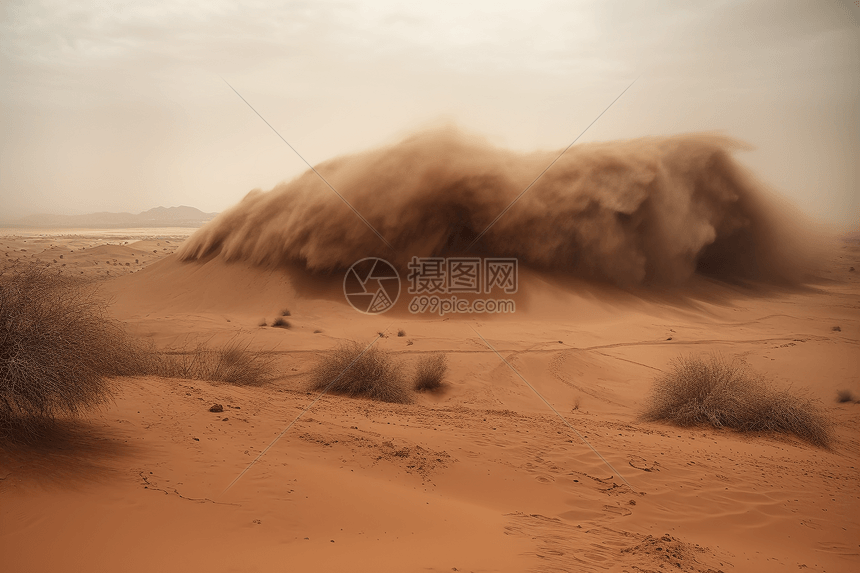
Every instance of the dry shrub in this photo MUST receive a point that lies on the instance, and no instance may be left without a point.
(281, 323)
(59, 352)
(232, 363)
(843, 396)
(58, 349)
(351, 370)
(430, 372)
(713, 391)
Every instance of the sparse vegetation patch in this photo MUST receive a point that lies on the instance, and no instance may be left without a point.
(232, 363)
(59, 352)
(57, 348)
(843, 396)
(430, 372)
(351, 370)
(727, 394)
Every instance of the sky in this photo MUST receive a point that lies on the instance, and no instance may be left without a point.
(124, 106)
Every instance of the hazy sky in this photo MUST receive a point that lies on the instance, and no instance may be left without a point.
(120, 106)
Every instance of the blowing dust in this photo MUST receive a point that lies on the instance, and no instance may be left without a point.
(650, 211)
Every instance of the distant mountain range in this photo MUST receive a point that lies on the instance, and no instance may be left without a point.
(158, 217)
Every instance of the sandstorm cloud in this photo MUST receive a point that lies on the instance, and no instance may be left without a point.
(650, 211)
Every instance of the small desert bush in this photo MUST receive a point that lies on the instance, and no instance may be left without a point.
(58, 349)
(59, 352)
(843, 396)
(231, 363)
(713, 391)
(430, 372)
(352, 371)
(281, 323)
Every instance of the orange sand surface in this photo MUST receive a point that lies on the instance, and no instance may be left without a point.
(480, 477)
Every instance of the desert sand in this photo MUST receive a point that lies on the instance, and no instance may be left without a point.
(482, 477)
(534, 456)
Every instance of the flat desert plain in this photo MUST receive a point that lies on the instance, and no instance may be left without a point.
(481, 476)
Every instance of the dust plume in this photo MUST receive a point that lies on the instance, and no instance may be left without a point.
(640, 212)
